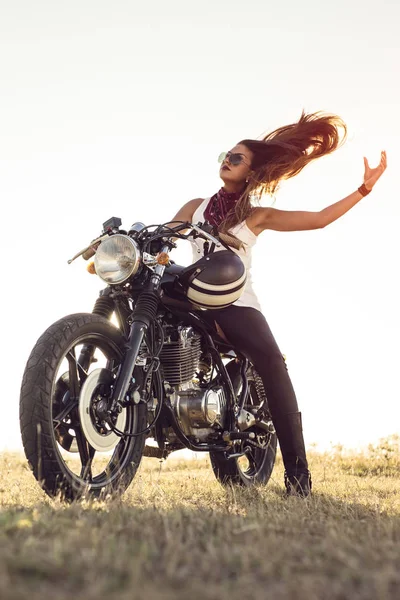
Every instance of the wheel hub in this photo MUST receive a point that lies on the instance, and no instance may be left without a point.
(92, 412)
(101, 409)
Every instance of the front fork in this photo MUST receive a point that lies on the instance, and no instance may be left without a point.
(144, 314)
(124, 378)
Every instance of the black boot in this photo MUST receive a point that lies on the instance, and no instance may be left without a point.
(290, 435)
(298, 485)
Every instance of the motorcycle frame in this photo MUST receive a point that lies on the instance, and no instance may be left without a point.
(134, 335)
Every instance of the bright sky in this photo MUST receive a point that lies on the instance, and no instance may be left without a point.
(121, 109)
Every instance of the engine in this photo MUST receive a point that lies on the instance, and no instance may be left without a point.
(180, 354)
(199, 409)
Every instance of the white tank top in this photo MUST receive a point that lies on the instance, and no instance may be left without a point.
(245, 235)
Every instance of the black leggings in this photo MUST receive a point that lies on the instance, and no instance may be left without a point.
(249, 332)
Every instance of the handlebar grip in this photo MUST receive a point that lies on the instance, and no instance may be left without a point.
(89, 253)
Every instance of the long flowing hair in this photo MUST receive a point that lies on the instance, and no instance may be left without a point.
(280, 155)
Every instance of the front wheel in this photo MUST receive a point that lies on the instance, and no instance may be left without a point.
(256, 465)
(69, 446)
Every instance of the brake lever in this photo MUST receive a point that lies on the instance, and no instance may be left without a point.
(210, 237)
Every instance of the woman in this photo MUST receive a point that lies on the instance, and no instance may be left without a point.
(249, 170)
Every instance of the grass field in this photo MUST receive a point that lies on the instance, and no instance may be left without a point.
(177, 534)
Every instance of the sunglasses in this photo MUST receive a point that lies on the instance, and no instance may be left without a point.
(233, 157)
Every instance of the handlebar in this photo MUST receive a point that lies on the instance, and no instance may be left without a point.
(90, 250)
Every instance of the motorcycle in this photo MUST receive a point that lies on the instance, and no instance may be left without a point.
(147, 373)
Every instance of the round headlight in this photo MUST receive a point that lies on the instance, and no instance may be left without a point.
(117, 259)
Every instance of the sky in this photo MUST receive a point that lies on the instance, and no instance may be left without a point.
(122, 108)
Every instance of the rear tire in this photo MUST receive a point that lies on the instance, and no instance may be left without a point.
(257, 467)
(45, 391)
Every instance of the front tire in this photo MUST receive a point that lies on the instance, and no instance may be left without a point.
(52, 383)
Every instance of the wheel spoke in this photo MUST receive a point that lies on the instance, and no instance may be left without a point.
(86, 454)
(86, 471)
(73, 374)
(81, 372)
(83, 446)
(65, 412)
(251, 457)
(67, 442)
(77, 368)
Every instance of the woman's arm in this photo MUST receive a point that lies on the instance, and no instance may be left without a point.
(186, 212)
(294, 220)
(301, 220)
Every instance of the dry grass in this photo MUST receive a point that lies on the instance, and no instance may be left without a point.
(177, 534)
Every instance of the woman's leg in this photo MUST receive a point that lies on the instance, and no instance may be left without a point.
(247, 329)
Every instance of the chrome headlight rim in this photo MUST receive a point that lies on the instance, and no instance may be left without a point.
(107, 250)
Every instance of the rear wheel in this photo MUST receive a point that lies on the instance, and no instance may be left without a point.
(69, 445)
(256, 465)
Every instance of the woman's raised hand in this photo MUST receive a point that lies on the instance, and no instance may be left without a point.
(371, 176)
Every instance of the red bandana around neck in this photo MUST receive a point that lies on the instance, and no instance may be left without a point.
(220, 205)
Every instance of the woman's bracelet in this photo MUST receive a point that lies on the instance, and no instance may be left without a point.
(364, 191)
